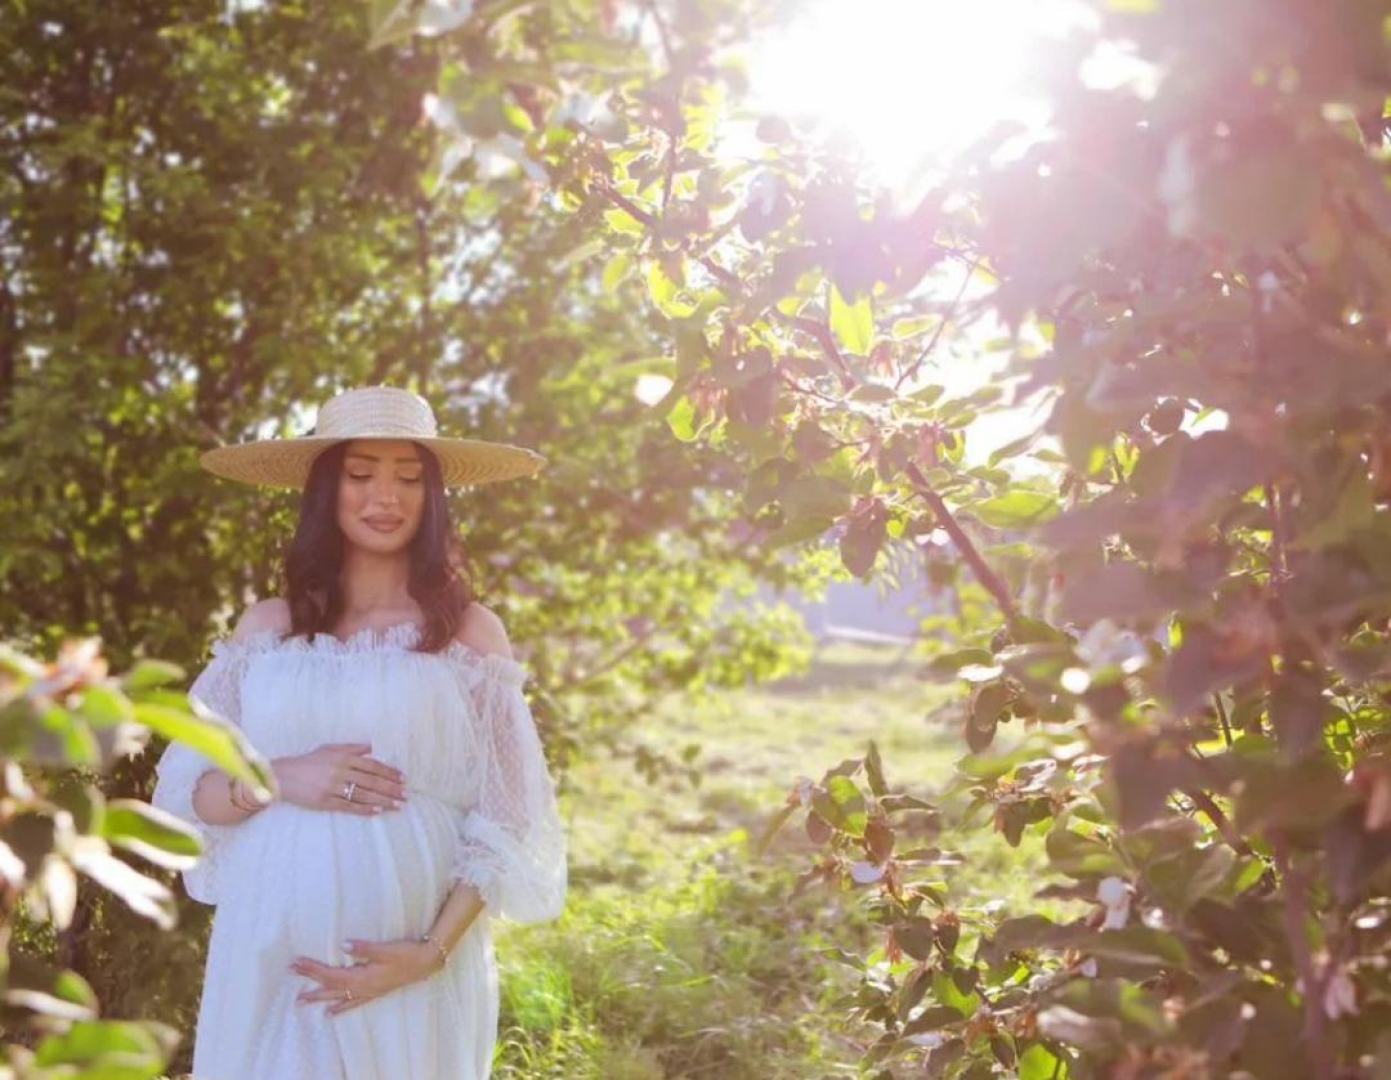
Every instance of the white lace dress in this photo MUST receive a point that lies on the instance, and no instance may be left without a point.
(296, 882)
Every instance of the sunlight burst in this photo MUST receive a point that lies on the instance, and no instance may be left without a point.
(908, 82)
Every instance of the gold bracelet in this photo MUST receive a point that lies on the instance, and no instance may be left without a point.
(444, 953)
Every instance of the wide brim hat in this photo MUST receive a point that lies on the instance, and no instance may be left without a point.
(370, 412)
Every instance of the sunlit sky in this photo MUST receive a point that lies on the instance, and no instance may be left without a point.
(906, 85)
(908, 82)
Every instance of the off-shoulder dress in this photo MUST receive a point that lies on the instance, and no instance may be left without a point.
(290, 881)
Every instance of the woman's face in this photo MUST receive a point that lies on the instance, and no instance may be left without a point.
(381, 494)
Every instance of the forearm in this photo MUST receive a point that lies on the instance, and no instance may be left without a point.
(213, 800)
(460, 908)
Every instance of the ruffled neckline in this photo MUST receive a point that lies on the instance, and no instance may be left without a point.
(397, 638)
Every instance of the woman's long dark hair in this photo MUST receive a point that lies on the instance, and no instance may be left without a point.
(439, 581)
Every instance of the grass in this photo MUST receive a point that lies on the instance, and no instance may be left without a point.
(681, 953)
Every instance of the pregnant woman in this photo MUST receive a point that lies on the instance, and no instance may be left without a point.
(412, 801)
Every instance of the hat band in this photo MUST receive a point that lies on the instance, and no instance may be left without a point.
(377, 430)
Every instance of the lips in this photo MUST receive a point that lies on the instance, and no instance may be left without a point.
(383, 522)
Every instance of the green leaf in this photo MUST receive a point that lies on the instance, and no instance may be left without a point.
(615, 270)
(1013, 449)
(850, 802)
(669, 297)
(221, 743)
(681, 419)
(102, 706)
(862, 540)
(1016, 509)
(1038, 1062)
(874, 770)
(904, 329)
(1080, 856)
(814, 496)
(147, 674)
(852, 324)
(621, 221)
(150, 832)
(1354, 510)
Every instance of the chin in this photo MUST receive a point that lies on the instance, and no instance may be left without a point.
(373, 541)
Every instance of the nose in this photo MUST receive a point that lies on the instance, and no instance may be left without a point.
(384, 491)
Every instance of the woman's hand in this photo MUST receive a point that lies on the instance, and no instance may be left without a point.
(316, 780)
(382, 967)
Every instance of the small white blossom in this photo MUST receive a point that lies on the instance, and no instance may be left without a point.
(1114, 895)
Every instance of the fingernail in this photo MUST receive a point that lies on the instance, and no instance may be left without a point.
(376, 809)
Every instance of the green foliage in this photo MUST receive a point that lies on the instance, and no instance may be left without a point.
(1187, 625)
(211, 217)
(65, 724)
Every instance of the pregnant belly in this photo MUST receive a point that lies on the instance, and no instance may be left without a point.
(315, 878)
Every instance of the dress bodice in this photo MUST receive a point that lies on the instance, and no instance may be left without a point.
(456, 722)
(420, 711)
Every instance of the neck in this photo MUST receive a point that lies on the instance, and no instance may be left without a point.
(373, 582)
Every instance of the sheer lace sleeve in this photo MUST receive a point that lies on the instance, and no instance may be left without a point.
(512, 845)
(218, 688)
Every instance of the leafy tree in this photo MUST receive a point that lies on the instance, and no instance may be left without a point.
(1187, 616)
(212, 216)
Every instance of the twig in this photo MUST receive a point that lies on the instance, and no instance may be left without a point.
(1223, 718)
(822, 333)
(1205, 802)
(1279, 527)
(810, 391)
(603, 667)
(1292, 886)
(947, 316)
(992, 581)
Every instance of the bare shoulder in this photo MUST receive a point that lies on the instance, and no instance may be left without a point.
(270, 614)
(481, 629)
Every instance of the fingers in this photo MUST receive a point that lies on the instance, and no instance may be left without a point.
(335, 982)
(319, 994)
(373, 767)
(388, 789)
(376, 786)
(364, 803)
(368, 792)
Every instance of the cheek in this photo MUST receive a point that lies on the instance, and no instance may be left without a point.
(349, 498)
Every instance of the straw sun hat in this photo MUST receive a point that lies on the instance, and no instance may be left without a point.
(370, 412)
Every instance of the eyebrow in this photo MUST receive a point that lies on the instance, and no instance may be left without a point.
(373, 457)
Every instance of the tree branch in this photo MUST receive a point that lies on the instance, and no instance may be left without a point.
(1292, 888)
(994, 584)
